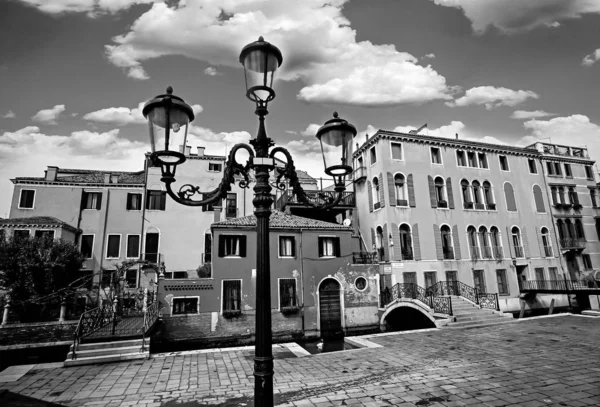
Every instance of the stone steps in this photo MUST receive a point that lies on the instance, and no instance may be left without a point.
(468, 315)
(106, 352)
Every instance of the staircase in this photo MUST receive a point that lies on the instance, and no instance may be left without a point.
(469, 315)
(105, 352)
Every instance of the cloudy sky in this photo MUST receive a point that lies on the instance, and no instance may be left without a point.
(74, 73)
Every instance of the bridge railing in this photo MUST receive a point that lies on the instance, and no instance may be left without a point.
(415, 292)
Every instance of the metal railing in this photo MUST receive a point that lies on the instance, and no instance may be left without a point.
(317, 197)
(488, 300)
(364, 258)
(413, 291)
(565, 285)
(519, 253)
(401, 202)
(442, 204)
(448, 253)
(571, 243)
(445, 288)
(91, 321)
(491, 207)
(407, 254)
(377, 205)
(360, 173)
(468, 205)
(548, 251)
(479, 206)
(498, 252)
(475, 253)
(151, 315)
(486, 252)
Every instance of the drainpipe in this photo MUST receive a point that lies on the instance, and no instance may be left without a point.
(103, 242)
(302, 281)
(143, 203)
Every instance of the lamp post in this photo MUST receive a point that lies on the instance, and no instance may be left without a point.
(169, 117)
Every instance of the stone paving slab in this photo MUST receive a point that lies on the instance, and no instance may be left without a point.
(536, 362)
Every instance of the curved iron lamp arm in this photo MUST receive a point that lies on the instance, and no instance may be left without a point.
(232, 168)
(289, 172)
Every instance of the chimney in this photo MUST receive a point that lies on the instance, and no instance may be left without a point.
(114, 178)
(217, 213)
(188, 150)
(201, 151)
(457, 136)
(51, 173)
(107, 178)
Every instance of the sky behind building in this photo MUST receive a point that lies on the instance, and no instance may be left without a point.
(75, 74)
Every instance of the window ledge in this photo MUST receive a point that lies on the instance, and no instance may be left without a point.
(328, 257)
(232, 257)
(27, 209)
(286, 257)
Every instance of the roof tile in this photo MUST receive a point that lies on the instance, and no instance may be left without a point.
(280, 220)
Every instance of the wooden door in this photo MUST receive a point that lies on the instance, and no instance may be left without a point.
(330, 308)
(478, 281)
(452, 281)
(151, 247)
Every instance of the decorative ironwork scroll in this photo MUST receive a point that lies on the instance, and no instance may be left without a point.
(488, 300)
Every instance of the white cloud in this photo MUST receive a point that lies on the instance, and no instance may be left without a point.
(335, 68)
(212, 71)
(575, 130)
(512, 17)
(592, 58)
(428, 56)
(9, 115)
(92, 7)
(524, 114)
(121, 116)
(48, 116)
(492, 97)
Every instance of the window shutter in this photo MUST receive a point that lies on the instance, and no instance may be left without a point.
(128, 205)
(163, 200)
(511, 246)
(432, 192)
(411, 191)
(556, 248)
(381, 193)
(456, 242)
(242, 246)
(396, 239)
(386, 246)
(336, 243)
(525, 242)
(83, 200)
(438, 241)
(449, 193)
(370, 194)
(221, 246)
(293, 247)
(416, 242)
(373, 239)
(391, 189)
(99, 201)
(321, 246)
(541, 243)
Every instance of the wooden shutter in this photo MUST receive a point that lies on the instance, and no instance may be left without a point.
(83, 199)
(243, 246)
(456, 242)
(128, 205)
(391, 189)
(525, 242)
(438, 241)
(221, 246)
(449, 193)
(416, 242)
(336, 247)
(511, 246)
(396, 239)
(99, 200)
(541, 242)
(370, 194)
(556, 248)
(432, 196)
(381, 193)
(293, 247)
(163, 200)
(321, 246)
(411, 191)
(373, 239)
(386, 248)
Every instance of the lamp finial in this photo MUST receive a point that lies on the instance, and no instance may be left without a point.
(335, 115)
(169, 90)
(261, 39)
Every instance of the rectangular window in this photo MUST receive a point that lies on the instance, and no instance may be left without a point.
(482, 160)
(287, 246)
(44, 234)
(502, 282)
(479, 280)
(568, 172)
(396, 151)
(21, 233)
(471, 159)
(87, 246)
(232, 295)
(91, 200)
(557, 169)
(373, 155)
(214, 167)
(532, 166)
(113, 247)
(134, 202)
(133, 246)
(209, 207)
(552, 273)
(503, 163)
(460, 158)
(131, 278)
(156, 200)
(550, 168)
(593, 198)
(329, 246)
(539, 274)
(589, 173)
(26, 199)
(436, 155)
(232, 246)
(287, 293)
(430, 278)
(587, 261)
(231, 205)
(182, 306)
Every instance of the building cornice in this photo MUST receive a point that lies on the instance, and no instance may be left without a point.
(71, 184)
(565, 159)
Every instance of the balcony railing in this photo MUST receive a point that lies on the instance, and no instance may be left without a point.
(442, 204)
(572, 243)
(360, 173)
(491, 207)
(448, 253)
(377, 205)
(486, 252)
(548, 251)
(316, 197)
(475, 253)
(519, 252)
(154, 258)
(364, 258)
(468, 205)
(559, 285)
(498, 252)
(479, 206)
(401, 202)
(407, 254)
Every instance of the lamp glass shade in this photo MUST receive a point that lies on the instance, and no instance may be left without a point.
(260, 60)
(168, 127)
(334, 147)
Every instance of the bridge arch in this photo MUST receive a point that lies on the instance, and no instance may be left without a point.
(405, 314)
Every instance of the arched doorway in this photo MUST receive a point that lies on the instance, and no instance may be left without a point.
(330, 309)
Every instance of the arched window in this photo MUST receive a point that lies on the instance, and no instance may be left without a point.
(554, 193)
(376, 203)
(379, 243)
(400, 186)
(570, 229)
(546, 243)
(488, 196)
(561, 195)
(573, 197)
(440, 192)
(477, 195)
(509, 195)
(562, 232)
(466, 194)
(472, 238)
(579, 230)
(516, 240)
(406, 242)
(496, 243)
(486, 252)
(538, 199)
(447, 242)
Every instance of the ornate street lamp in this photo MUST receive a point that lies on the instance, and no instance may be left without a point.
(169, 117)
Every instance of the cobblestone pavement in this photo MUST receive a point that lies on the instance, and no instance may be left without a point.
(538, 362)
